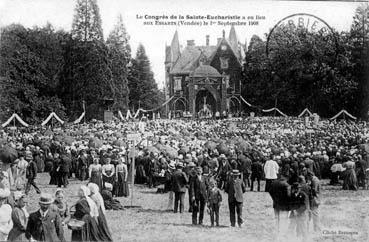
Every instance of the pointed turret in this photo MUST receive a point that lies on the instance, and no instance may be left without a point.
(233, 41)
(175, 48)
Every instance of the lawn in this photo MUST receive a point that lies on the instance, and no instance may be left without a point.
(340, 211)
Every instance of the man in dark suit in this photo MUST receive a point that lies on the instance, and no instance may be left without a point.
(256, 173)
(64, 167)
(45, 224)
(179, 182)
(224, 168)
(235, 187)
(191, 173)
(245, 168)
(198, 191)
(31, 173)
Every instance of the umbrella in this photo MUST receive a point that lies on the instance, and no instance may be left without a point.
(210, 145)
(244, 146)
(8, 154)
(152, 149)
(67, 139)
(364, 148)
(118, 134)
(171, 152)
(184, 149)
(94, 143)
(222, 148)
(48, 133)
(119, 143)
(99, 135)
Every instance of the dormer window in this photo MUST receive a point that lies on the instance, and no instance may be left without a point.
(177, 84)
(224, 63)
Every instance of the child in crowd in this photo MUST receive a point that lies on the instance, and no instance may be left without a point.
(214, 201)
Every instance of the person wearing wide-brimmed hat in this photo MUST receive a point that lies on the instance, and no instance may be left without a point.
(6, 223)
(179, 182)
(45, 224)
(299, 204)
(235, 187)
(224, 168)
(198, 191)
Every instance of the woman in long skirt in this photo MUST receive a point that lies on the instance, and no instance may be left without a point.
(108, 172)
(86, 211)
(94, 172)
(104, 232)
(121, 186)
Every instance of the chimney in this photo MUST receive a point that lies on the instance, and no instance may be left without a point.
(191, 42)
(207, 40)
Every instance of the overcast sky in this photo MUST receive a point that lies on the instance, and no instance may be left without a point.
(60, 14)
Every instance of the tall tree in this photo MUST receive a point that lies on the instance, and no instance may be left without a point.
(119, 63)
(86, 24)
(359, 42)
(30, 65)
(86, 77)
(144, 91)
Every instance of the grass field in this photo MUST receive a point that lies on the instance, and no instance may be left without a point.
(340, 211)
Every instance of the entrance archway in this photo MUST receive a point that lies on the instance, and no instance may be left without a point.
(205, 103)
(234, 105)
(179, 107)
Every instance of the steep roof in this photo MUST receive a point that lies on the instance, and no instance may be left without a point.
(175, 48)
(189, 59)
(206, 70)
(225, 41)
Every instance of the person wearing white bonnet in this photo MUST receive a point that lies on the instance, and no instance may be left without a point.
(85, 193)
(87, 213)
(99, 201)
(96, 196)
(6, 222)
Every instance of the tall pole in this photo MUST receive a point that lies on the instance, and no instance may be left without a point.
(84, 110)
(133, 171)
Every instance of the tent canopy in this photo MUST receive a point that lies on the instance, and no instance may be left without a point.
(51, 116)
(344, 113)
(78, 120)
(305, 111)
(274, 109)
(14, 116)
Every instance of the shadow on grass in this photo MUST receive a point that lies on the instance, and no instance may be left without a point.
(196, 226)
(154, 211)
(153, 192)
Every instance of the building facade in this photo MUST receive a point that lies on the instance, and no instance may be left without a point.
(203, 81)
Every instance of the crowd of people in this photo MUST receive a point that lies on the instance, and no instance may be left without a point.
(203, 157)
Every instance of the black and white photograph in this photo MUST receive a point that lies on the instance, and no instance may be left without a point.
(212, 120)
